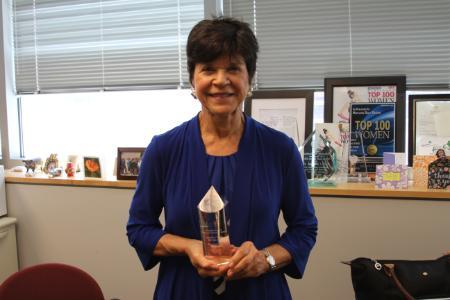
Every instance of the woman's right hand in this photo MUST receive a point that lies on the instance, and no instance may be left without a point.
(205, 267)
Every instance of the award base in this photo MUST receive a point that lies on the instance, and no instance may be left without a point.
(319, 183)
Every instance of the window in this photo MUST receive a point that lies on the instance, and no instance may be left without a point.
(97, 123)
(92, 75)
(101, 44)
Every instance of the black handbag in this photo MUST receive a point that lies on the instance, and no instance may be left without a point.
(400, 279)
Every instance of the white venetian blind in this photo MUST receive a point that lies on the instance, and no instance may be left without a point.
(101, 44)
(303, 41)
(410, 37)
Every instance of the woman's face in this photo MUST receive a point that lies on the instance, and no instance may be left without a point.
(221, 85)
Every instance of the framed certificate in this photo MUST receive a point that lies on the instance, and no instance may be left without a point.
(429, 128)
(289, 111)
(340, 93)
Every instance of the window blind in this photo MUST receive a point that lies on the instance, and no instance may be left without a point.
(101, 44)
(303, 41)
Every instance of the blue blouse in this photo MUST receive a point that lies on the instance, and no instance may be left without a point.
(221, 174)
(268, 179)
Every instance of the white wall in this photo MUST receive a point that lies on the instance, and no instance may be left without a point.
(86, 227)
(377, 228)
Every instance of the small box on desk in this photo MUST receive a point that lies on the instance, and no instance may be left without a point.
(391, 177)
(394, 158)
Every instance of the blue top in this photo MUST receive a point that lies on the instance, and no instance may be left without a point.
(269, 178)
(221, 172)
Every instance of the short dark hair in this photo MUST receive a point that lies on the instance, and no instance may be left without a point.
(211, 39)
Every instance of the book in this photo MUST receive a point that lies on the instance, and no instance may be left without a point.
(394, 158)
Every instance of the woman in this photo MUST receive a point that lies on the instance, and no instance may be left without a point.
(257, 170)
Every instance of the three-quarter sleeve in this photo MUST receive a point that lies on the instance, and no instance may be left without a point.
(144, 228)
(298, 212)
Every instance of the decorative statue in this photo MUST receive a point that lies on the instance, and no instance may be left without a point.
(51, 163)
(31, 165)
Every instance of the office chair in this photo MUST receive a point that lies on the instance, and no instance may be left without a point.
(50, 281)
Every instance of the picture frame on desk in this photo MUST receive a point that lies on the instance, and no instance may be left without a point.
(289, 111)
(92, 167)
(128, 162)
(428, 128)
(341, 92)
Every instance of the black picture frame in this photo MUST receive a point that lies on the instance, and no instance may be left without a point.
(413, 101)
(303, 100)
(128, 162)
(330, 84)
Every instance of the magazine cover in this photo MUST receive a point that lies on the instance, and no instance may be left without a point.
(375, 122)
(331, 152)
(345, 96)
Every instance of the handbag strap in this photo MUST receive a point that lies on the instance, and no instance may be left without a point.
(389, 269)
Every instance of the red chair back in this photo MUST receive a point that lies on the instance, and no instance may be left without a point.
(51, 281)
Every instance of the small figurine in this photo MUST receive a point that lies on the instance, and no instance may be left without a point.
(70, 169)
(55, 172)
(51, 163)
(31, 165)
(73, 158)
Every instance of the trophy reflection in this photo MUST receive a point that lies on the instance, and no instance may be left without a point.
(213, 228)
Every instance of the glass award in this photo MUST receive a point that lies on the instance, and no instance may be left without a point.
(325, 154)
(213, 228)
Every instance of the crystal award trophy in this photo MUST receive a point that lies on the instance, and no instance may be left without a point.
(325, 154)
(213, 228)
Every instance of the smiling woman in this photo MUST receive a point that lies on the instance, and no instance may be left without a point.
(255, 169)
(221, 85)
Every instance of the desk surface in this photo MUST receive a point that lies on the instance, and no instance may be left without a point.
(347, 190)
(78, 180)
(369, 190)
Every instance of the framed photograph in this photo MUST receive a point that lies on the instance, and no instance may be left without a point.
(128, 162)
(428, 126)
(340, 93)
(289, 111)
(92, 167)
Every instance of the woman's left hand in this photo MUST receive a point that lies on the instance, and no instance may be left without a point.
(247, 261)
